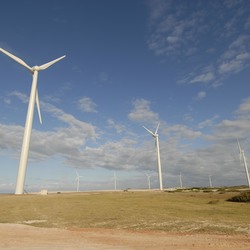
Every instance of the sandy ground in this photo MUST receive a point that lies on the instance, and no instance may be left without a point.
(16, 236)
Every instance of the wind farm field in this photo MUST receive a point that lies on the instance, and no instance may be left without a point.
(139, 215)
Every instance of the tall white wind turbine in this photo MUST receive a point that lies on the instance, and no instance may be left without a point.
(156, 136)
(29, 118)
(77, 181)
(243, 158)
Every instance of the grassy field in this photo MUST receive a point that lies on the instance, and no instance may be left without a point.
(167, 211)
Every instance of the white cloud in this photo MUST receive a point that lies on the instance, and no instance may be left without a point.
(118, 127)
(236, 57)
(142, 112)
(206, 77)
(244, 108)
(201, 95)
(182, 131)
(24, 98)
(233, 66)
(86, 104)
(208, 122)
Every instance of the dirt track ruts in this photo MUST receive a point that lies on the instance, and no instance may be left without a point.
(16, 236)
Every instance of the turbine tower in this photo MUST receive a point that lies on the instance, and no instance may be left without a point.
(77, 181)
(29, 118)
(156, 136)
(243, 158)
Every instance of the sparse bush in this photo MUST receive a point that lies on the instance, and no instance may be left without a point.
(207, 190)
(242, 197)
(213, 202)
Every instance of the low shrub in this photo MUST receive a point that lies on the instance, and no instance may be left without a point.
(242, 197)
(213, 202)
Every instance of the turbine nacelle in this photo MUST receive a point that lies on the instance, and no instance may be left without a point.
(154, 134)
(35, 68)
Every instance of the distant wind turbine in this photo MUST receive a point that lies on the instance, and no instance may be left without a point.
(156, 136)
(243, 158)
(180, 180)
(115, 180)
(77, 181)
(149, 183)
(210, 181)
(29, 118)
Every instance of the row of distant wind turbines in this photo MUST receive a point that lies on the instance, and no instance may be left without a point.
(29, 120)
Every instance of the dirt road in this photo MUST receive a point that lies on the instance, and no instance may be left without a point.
(15, 236)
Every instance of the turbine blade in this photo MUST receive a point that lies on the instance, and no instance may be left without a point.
(46, 65)
(157, 128)
(149, 131)
(17, 59)
(38, 107)
(77, 174)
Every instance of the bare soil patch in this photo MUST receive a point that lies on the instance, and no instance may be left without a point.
(17, 236)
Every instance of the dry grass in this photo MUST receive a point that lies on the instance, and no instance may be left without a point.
(180, 211)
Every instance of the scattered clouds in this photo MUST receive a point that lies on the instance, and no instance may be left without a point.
(142, 112)
(119, 128)
(170, 33)
(176, 29)
(22, 97)
(182, 131)
(208, 122)
(65, 141)
(86, 104)
(231, 129)
(194, 152)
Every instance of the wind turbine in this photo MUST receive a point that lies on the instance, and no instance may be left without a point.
(210, 181)
(149, 176)
(180, 180)
(77, 181)
(242, 157)
(115, 180)
(156, 136)
(29, 118)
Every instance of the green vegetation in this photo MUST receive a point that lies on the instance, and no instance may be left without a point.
(242, 197)
(175, 211)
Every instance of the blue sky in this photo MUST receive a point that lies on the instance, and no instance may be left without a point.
(128, 63)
